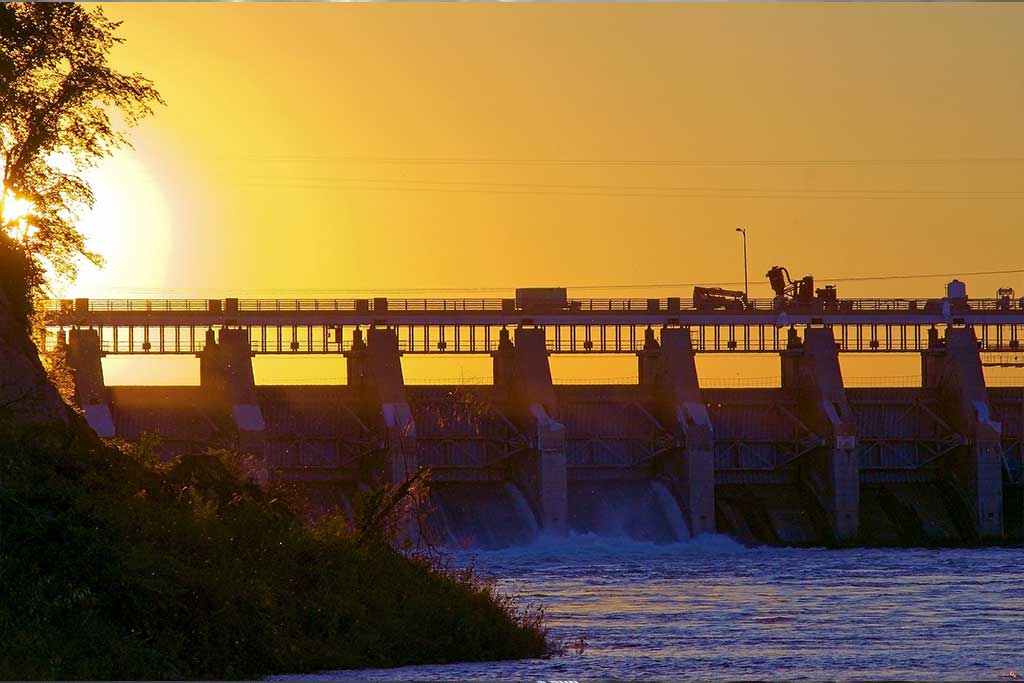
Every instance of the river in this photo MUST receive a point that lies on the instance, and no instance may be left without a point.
(714, 610)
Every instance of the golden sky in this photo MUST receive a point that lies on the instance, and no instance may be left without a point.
(314, 148)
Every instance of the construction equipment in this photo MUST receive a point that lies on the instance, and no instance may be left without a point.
(1004, 298)
(828, 297)
(787, 291)
(716, 298)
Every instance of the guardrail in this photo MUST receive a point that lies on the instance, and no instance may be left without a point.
(380, 305)
(116, 305)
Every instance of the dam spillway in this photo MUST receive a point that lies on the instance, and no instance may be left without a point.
(809, 463)
(614, 450)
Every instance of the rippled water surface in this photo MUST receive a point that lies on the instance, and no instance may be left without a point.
(711, 609)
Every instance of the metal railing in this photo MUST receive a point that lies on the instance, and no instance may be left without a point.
(130, 305)
(638, 305)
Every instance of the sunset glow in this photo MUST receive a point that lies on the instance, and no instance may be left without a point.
(389, 158)
(129, 217)
(16, 210)
(393, 162)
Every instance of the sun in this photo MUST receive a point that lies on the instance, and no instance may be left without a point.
(16, 209)
(128, 226)
(15, 214)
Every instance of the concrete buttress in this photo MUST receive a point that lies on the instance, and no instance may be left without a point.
(670, 370)
(375, 368)
(541, 471)
(85, 358)
(810, 370)
(225, 369)
(953, 368)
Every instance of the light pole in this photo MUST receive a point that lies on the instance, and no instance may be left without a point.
(746, 285)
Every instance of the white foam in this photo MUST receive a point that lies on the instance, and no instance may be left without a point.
(522, 508)
(580, 548)
(670, 508)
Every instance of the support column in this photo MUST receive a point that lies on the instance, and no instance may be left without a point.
(85, 359)
(541, 472)
(953, 367)
(225, 369)
(810, 369)
(647, 359)
(671, 371)
(375, 367)
(504, 360)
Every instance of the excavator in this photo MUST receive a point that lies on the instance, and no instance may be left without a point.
(716, 298)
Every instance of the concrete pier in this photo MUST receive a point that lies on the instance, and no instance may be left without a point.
(375, 370)
(810, 371)
(225, 368)
(85, 357)
(541, 471)
(669, 370)
(952, 367)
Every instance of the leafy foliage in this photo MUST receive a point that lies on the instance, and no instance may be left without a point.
(113, 569)
(382, 513)
(57, 97)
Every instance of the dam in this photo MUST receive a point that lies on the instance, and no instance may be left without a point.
(811, 462)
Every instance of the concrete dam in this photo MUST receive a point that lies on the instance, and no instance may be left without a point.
(809, 463)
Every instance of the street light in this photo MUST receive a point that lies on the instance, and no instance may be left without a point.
(746, 286)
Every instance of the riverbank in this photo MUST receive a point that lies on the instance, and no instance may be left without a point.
(113, 568)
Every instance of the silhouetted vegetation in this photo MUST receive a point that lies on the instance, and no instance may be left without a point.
(113, 567)
(58, 93)
(19, 275)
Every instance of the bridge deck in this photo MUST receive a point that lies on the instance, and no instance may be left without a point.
(447, 326)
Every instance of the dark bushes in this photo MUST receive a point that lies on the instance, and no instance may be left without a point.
(112, 568)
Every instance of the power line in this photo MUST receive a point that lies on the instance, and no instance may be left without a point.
(921, 277)
(615, 190)
(682, 193)
(865, 278)
(278, 293)
(497, 161)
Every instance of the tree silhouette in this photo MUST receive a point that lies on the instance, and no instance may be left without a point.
(58, 96)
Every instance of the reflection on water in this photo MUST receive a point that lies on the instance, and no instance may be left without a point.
(712, 609)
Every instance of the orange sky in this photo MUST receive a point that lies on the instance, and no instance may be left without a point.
(390, 146)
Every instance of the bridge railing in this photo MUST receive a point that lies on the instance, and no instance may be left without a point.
(249, 305)
(128, 305)
(497, 305)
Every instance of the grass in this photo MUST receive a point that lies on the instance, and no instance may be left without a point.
(115, 567)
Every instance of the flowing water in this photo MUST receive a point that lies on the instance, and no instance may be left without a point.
(709, 608)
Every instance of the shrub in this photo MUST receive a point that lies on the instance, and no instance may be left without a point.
(119, 567)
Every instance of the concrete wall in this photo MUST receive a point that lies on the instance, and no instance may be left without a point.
(808, 463)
